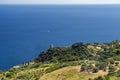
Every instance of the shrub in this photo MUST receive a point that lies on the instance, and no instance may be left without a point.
(116, 63)
(101, 66)
(112, 68)
(89, 79)
(99, 78)
(95, 70)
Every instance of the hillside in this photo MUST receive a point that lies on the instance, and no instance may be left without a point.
(71, 73)
(81, 51)
(89, 61)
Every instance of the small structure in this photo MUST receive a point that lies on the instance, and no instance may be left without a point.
(51, 46)
(26, 63)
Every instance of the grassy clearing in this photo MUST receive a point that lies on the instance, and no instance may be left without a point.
(71, 73)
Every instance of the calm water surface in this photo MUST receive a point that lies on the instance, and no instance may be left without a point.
(26, 30)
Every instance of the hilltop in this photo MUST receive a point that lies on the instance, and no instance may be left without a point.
(95, 61)
(81, 51)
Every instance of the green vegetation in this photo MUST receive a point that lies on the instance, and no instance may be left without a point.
(92, 59)
(71, 73)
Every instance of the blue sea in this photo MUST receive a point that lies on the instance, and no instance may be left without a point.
(26, 30)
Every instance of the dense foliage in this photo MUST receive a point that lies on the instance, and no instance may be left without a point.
(81, 51)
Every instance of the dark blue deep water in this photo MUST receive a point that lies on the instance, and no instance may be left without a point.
(26, 30)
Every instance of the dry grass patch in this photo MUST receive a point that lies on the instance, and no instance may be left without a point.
(71, 73)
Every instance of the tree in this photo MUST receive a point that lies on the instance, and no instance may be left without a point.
(78, 45)
(95, 70)
(112, 68)
(83, 67)
(101, 66)
(99, 78)
(87, 67)
(116, 63)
